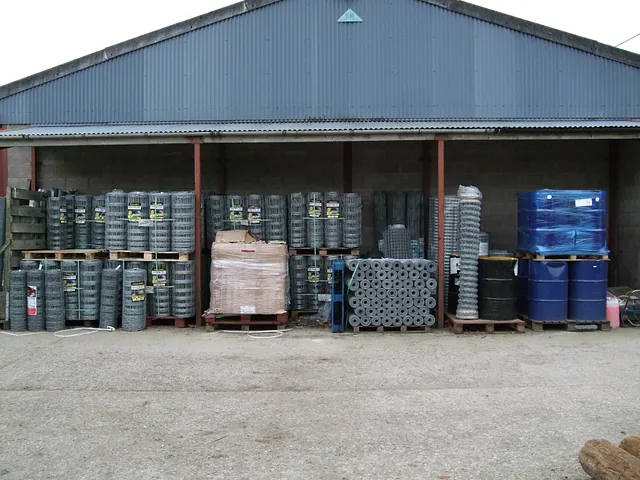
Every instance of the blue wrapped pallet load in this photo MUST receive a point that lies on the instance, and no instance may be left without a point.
(562, 222)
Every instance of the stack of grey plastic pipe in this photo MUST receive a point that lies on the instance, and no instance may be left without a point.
(451, 233)
(470, 212)
(391, 293)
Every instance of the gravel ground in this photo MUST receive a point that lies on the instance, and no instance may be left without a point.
(184, 404)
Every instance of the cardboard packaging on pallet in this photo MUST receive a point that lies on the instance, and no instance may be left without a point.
(247, 276)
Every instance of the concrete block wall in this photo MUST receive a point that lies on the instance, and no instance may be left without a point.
(628, 214)
(499, 169)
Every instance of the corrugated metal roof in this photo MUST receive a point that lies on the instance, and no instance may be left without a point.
(292, 60)
(195, 129)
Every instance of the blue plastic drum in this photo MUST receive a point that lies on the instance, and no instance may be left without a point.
(588, 290)
(548, 291)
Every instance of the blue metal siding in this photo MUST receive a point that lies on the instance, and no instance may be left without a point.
(293, 61)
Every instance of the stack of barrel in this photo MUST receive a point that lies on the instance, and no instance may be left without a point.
(564, 277)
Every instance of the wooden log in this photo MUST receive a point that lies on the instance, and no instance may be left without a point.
(604, 461)
(631, 445)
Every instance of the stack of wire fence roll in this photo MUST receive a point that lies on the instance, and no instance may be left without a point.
(18, 300)
(70, 272)
(134, 312)
(116, 223)
(391, 293)
(255, 215)
(56, 223)
(110, 297)
(297, 220)
(137, 214)
(54, 300)
(36, 316)
(183, 289)
(234, 211)
(160, 217)
(159, 275)
(183, 235)
(71, 226)
(81, 221)
(97, 222)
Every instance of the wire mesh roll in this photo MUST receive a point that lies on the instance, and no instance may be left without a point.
(57, 223)
(214, 217)
(54, 300)
(29, 265)
(71, 226)
(132, 265)
(36, 316)
(275, 212)
(134, 311)
(255, 214)
(82, 224)
(159, 278)
(110, 297)
(98, 217)
(137, 213)
(90, 283)
(379, 215)
(71, 289)
(115, 220)
(160, 216)
(333, 219)
(18, 300)
(234, 212)
(328, 268)
(314, 219)
(451, 232)
(316, 279)
(183, 233)
(470, 213)
(396, 242)
(415, 217)
(352, 223)
(297, 222)
(298, 278)
(396, 208)
(184, 295)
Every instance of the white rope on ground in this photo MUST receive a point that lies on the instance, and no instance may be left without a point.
(258, 334)
(87, 331)
(24, 334)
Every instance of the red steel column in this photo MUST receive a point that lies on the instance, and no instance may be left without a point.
(441, 285)
(4, 167)
(34, 159)
(197, 141)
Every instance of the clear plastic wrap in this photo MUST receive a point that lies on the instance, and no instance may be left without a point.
(562, 222)
(248, 278)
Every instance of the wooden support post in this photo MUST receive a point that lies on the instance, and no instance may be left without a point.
(441, 286)
(198, 221)
(614, 161)
(34, 160)
(347, 167)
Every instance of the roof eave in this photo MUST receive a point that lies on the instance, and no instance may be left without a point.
(132, 45)
(540, 31)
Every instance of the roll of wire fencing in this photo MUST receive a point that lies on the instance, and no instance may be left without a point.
(275, 212)
(234, 209)
(54, 300)
(214, 214)
(18, 300)
(158, 277)
(90, 283)
(134, 311)
(70, 274)
(81, 220)
(97, 222)
(352, 223)
(36, 316)
(183, 234)
(111, 297)
(57, 223)
(71, 226)
(255, 214)
(297, 222)
(314, 219)
(183, 289)
(333, 222)
(160, 218)
(138, 218)
(116, 220)
(298, 275)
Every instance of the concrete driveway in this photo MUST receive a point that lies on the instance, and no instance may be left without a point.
(184, 404)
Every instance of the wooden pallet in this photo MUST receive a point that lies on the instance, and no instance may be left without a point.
(484, 326)
(72, 254)
(568, 325)
(295, 314)
(565, 258)
(323, 252)
(81, 323)
(401, 329)
(149, 256)
(173, 322)
(246, 322)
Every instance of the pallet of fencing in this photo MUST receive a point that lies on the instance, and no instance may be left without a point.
(390, 293)
(71, 254)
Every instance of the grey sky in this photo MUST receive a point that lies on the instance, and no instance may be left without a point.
(39, 34)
